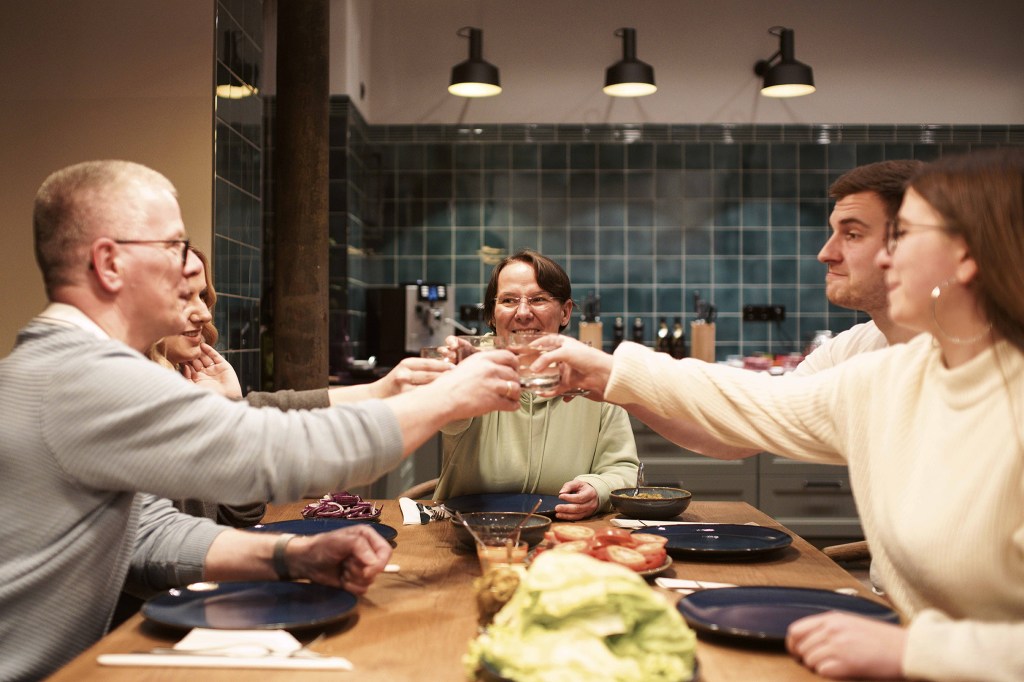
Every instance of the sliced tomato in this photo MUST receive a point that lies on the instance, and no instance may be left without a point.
(642, 538)
(572, 546)
(613, 536)
(630, 558)
(653, 552)
(567, 532)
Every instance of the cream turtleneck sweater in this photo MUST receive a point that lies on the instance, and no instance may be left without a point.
(936, 459)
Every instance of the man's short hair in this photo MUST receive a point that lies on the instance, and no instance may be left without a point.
(887, 179)
(77, 200)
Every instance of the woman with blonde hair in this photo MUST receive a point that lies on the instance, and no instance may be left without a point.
(933, 431)
(191, 352)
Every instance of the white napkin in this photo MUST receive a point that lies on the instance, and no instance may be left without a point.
(269, 649)
(411, 514)
(415, 513)
(639, 523)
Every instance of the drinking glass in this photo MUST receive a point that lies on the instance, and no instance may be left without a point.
(498, 551)
(476, 344)
(521, 343)
(437, 353)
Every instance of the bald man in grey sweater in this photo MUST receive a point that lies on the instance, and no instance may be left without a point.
(90, 424)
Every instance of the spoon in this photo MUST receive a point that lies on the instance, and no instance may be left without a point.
(522, 521)
(639, 479)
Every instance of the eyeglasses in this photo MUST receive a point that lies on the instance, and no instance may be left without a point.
(897, 231)
(183, 242)
(538, 302)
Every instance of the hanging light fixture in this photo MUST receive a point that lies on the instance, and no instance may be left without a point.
(787, 77)
(629, 77)
(235, 76)
(474, 77)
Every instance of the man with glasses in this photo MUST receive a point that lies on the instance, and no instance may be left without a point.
(580, 450)
(89, 423)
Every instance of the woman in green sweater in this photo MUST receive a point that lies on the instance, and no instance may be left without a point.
(579, 450)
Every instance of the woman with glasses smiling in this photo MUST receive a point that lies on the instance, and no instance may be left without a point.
(579, 450)
(932, 430)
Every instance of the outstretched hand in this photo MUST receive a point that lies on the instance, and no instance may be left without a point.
(843, 646)
(210, 370)
(582, 367)
(482, 383)
(408, 374)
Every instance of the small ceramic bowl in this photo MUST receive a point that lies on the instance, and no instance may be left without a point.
(658, 504)
(491, 523)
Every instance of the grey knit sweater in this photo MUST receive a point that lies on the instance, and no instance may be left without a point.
(248, 515)
(87, 423)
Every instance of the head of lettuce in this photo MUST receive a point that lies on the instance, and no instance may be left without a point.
(577, 618)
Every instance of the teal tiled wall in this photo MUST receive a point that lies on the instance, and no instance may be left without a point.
(237, 256)
(641, 215)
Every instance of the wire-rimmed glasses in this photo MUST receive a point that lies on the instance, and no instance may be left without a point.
(184, 245)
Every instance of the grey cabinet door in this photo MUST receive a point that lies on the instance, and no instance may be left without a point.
(666, 463)
(814, 500)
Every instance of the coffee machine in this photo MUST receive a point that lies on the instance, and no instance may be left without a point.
(401, 320)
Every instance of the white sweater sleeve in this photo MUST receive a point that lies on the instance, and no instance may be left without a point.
(735, 406)
(940, 648)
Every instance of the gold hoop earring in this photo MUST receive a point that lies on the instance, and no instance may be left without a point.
(960, 341)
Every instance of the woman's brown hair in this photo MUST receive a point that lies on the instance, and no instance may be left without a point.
(980, 196)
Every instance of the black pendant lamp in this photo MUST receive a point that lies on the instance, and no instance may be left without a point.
(629, 77)
(787, 77)
(474, 77)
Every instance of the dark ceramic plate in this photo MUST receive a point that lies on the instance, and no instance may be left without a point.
(503, 502)
(720, 541)
(250, 606)
(318, 525)
(763, 614)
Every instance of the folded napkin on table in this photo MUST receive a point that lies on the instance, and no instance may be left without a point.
(207, 648)
(415, 513)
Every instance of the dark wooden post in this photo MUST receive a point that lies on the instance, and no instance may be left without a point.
(300, 195)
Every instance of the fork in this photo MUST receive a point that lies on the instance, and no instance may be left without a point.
(436, 513)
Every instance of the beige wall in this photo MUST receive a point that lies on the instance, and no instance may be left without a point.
(87, 79)
(875, 61)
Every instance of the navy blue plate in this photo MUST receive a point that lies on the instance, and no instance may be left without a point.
(503, 502)
(763, 614)
(720, 540)
(250, 606)
(321, 525)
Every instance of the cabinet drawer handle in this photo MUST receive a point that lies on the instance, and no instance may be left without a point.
(823, 484)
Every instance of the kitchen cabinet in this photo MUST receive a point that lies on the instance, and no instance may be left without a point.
(814, 500)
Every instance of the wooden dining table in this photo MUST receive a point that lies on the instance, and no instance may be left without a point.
(416, 624)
